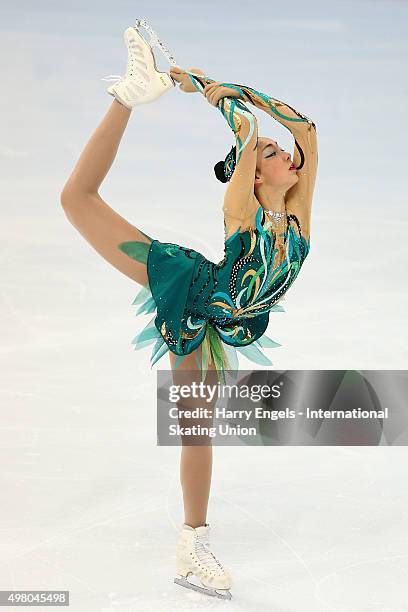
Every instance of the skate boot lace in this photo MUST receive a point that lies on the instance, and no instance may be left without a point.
(204, 553)
(137, 72)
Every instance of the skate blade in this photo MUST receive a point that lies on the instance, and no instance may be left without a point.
(182, 581)
(155, 40)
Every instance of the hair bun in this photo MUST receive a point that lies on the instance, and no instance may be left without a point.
(219, 172)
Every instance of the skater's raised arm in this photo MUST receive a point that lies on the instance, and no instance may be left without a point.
(305, 156)
(239, 201)
(298, 198)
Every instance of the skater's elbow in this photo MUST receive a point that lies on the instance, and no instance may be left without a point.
(66, 201)
(70, 196)
(64, 198)
(70, 199)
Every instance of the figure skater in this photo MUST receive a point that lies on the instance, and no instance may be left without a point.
(204, 312)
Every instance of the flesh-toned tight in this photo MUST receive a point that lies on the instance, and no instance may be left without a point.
(196, 460)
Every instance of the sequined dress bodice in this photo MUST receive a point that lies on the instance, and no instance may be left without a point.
(258, 267)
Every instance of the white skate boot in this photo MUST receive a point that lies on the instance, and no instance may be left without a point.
(194, 557)
(142, 82)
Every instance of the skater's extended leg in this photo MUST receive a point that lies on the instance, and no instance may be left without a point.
(196, 460)
(100, 225)
(98, 155)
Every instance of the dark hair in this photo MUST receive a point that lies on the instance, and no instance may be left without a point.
(225, 169)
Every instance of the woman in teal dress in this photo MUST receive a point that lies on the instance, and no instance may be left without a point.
(204, 312)
(223, 308)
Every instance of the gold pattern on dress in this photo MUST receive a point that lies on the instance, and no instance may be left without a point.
(252, 245)
(222, 304)
(250, 272)
(247, 336)
(257, 282)
(163, 330)
(236, 123)
(187, 336)
(255, 307)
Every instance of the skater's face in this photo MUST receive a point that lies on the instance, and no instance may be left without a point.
(272, 166)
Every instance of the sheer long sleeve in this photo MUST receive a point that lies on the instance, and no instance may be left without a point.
(292, 119)
(239, 203)
(285, 114)
(235, 112)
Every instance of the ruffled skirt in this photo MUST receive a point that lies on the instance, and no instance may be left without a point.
(171, 270)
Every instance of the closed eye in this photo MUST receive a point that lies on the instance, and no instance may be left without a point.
(274, 153)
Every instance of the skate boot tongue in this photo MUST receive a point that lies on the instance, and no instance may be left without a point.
(202, 530)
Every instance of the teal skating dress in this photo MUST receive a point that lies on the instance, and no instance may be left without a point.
(222, 306)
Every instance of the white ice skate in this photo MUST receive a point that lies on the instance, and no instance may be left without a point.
(195, 557)
(143, 82)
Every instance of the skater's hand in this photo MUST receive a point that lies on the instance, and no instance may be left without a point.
(182, 77)
(214, 92)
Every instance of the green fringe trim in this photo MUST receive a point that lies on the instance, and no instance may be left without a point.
(213, 352)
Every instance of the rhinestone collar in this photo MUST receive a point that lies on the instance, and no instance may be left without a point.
(275, 214)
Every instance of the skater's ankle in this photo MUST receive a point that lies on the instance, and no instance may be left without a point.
(194, 525)
(122, 108)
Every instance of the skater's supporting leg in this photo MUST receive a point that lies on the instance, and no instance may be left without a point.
(196, 460)
(195, 477)
(100, 225)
